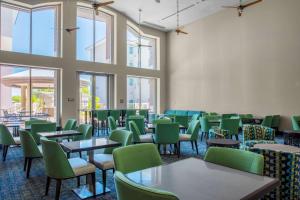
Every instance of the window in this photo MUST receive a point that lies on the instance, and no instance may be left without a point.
(141, 50)
(141, 93)
(94, 38)
(30, 30)
(28, 92)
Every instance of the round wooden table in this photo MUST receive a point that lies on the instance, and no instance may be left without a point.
(223, 143)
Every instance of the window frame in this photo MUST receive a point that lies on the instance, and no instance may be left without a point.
(57, 6)
(113, 35)
(136, 30)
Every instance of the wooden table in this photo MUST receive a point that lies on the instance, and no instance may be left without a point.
(291, 137)
(85, 191)
(223, 143)
(195, 179)
(57, 134)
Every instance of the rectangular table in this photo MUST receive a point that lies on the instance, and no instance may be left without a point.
(56, 134)
(85, 191)
(194, 179)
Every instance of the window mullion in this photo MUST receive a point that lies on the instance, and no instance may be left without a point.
(94, 36)
(30, 40)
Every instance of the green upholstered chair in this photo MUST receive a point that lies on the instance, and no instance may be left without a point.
(130, 112)
(236, 159)
(228, 127)
(86, 131)
(205, 126)
(70, 125)
(6, 140)
(182, 120)
(136, 157)
(164, 120)
(227, 116)
(257, 134)
(140, 122)
(137, 136)
(105, 161)
(128, 190)
(30, 150)
(267, 122)
(191, 134)
(35, 121)
(115, 114)
(275, 122)
(195, 117)
(167, 134)
(101, 116)
(112, 125)
(58, 167)
(296, 123)
(43, 127)
(144, 112)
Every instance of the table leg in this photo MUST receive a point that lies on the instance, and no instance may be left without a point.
(86, 191)
(85, 116)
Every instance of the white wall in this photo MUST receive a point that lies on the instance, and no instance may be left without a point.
(70, 66)
(229, 64)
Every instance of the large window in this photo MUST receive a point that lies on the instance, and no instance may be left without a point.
(30, 30)
(28, 92)
(93, 93)
(141, 50)
(141, 93)
(94, 37)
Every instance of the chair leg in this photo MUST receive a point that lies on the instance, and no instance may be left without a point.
(47, 185)
(5, 149)
(80, 154)
(104, 180)
(78, 181)
(237, 137)
(201, 136)
(178, 149)
(28, 167)
(196, 145)
(192, 145)
(94, 183)
(113, 170)
(25, 163)
(68, 155)
(58, 186)
(158, 147)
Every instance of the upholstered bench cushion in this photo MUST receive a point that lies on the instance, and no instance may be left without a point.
(81, 167)
(251, 143)
(184, 137)
(104, 161)
(17, 140)
(146, 138)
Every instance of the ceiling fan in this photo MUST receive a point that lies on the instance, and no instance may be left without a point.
(241, 7)
(179, 29)
(96, 5)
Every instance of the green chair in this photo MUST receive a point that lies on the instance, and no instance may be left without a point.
(86, 131)
(191, 135)
(70, 125)
(44, 127)
(115, 114)
(112, 123)
(228, 127)
(195, 117)
(130, 112)
(101, 116)
(267, 122)
(205, 127)
(140, 122)
(275, 122)
(296, 123)
(59, 167)
(105, 161)
(137, 136)
(182, 120)
(144, 113)
(6, 140)
(164, 120)
(167, 134)
(30, 150)
(35, 121)
(136, 157)
(236, 159)
(128, 190)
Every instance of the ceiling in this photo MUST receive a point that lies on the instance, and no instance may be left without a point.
(157, 13)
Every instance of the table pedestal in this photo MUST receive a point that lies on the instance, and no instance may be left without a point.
(86, 191)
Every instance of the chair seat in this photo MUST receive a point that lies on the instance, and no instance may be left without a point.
(104, 161)
(40, 148)
(146, 138)
(184, 137)
(81, 167)
(17, 140)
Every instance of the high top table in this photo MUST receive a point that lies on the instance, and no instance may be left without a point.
(194, 179)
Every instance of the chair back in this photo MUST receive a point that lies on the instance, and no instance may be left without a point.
(56, 162)
(204, 124)
(29, 146)
(167, 133)
(135, 131)
(35, 121)
(231, 125)
(275, 121)
(115, 114)
(5, 136)
(101, 115)
(144, 112)
(44, 127)
(112, 123)
(237, 159)
(70, 124)
(122, 136)
(296, 123)
(139, 120)
(193, 129)
(136, 157)
(195, 117)
(182, 120)
(86, 131)
(130, 112)
(128, 190)
(164, 120)
(267, 122)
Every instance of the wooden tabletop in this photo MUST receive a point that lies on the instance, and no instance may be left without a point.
(278, 147)
(222, 142)
(88, 145)
(194, 179)
(56, 134)
(151, 126)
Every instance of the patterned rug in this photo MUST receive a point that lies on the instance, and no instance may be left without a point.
(15, 186)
